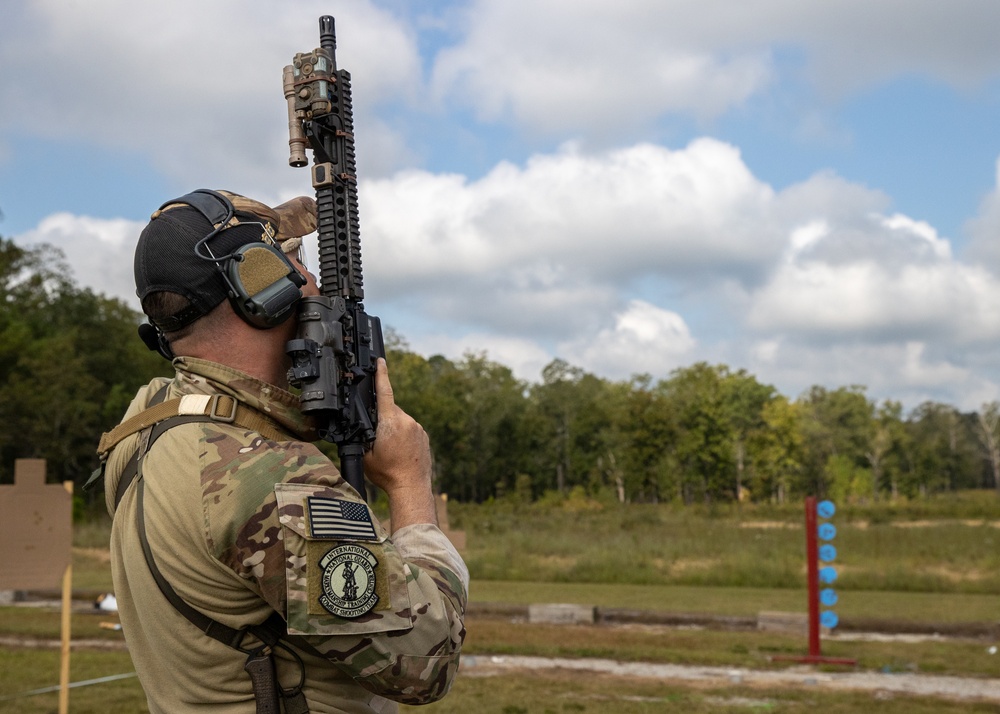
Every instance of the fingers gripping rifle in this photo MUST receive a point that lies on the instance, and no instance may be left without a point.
(338, 345)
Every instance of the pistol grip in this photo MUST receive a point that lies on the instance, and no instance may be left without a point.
(260, 667)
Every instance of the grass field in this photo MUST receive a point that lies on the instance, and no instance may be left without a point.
(918, 607)
(548, 691)
(567, 692)
(929, 561)
(948, 545)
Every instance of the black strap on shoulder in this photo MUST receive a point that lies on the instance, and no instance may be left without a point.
(132, 465)
(131, 469)
(213, 628)
(270, 633)
(128, 473)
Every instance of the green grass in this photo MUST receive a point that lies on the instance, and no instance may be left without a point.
(45, 623)
(750, 649)
(25, 670)
(725, 559)
(552, 692)
(93, 532)
(947, 544)
(541, 692)
(930, 561)
(92, 570)
(576, 540)
(744, 602)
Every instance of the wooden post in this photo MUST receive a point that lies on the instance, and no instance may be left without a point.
(67, 611)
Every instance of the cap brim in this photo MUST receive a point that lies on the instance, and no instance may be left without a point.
(296, 218)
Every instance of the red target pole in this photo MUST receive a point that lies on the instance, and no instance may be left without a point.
(815, 655)
(812, 568)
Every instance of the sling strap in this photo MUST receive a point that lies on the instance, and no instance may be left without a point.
(217, 407)
(129, 470)
(268, 693)
(161, 415)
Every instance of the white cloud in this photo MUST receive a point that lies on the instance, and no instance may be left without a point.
(984, 230)
(557, 66)
(936, 247)
(815, 280)
(525, 358)
(643, 259)
(99, 251)
(187, 94)
(546, 247)
(605, 69)
(883, 278)
(181, 82)
(645, 339)
(910, 372)
(637, 257)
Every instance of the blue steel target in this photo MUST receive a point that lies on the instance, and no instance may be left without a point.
(828, 597)
(827, 553)
(825, 509)
(827, 531)
(827, 575)
(829, 619)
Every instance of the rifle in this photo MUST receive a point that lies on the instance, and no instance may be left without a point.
(338, 344)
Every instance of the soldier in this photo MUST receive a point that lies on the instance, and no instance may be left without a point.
(236, 544)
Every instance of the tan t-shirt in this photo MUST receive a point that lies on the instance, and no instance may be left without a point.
(242, 526)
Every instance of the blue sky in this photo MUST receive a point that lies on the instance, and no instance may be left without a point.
(804, 190)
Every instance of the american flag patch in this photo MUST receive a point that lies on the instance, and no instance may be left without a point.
(340, 520)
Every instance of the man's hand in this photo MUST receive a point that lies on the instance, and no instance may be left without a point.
(400, 459)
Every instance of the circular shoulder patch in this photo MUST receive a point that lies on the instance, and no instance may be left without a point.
(348, 581)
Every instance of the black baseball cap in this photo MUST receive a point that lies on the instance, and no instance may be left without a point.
(168, 258)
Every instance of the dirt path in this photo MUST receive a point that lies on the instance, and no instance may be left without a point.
(961, 688)
(918, 684)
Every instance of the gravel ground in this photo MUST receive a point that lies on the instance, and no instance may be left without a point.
(918, 684)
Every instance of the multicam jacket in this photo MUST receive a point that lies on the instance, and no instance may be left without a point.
(242, 526)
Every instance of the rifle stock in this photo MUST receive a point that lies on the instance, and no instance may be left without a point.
(338, 344)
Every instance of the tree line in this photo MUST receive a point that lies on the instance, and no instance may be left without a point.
(704, 434)
(70, 362)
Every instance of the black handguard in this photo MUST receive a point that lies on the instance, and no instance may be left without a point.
(338, 344)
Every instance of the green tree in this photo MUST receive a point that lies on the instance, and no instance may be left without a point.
(473, 412)
(570, 417)
(646, 433)
(744, 400)
(887, 449)
(776, 450)
(715, 413)
(944, 450)
(70, 362)
(989, 434)
(836, 423)
(495, 405)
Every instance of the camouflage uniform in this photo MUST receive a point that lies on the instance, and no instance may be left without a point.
(229, 522)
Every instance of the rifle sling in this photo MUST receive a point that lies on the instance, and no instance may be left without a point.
(218, 407)
(270, 632)
(162, 415)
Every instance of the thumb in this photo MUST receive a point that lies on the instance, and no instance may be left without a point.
(383, 389)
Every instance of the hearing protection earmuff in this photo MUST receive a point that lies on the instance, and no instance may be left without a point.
(262, 282)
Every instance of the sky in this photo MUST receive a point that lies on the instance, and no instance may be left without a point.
(804, 190)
